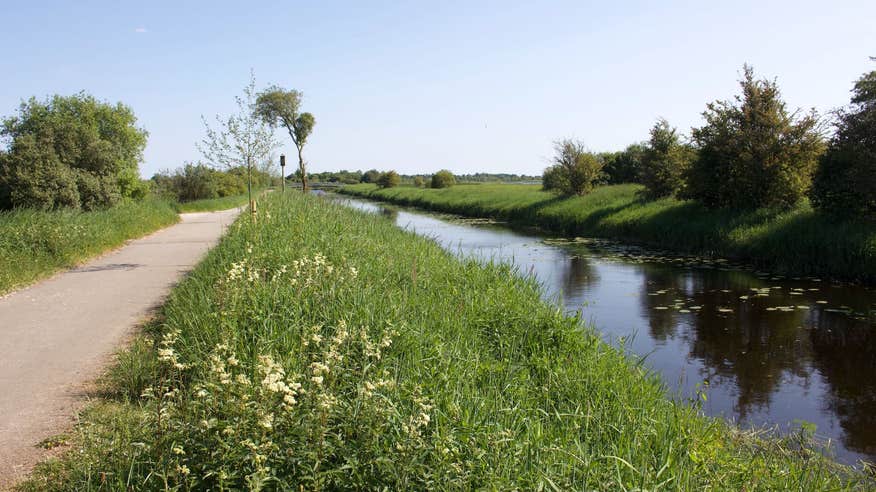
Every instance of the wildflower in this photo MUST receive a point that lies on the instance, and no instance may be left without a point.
(242, 380)
(202, 393)
(317, 380)
(267, 421)
(177, 450)
(183, 470)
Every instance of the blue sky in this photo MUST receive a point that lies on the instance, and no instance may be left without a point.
(419, 86)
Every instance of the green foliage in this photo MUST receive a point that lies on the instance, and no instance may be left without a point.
(388, 179)
(73, 151)
(370, 176)
(624, 166)
(397, 367)
(443, 179)
(35, 244)
(575, 171)
(665, 161)
(280, 107)
(211, 204)
(797, 241)
(201, 182)
(753, 153)
(419, 181)
(845, 183)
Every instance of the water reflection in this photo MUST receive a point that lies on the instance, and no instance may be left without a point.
(772, 350)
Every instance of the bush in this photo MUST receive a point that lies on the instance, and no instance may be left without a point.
(664, 161)
(845, 183)
(624, 166)
(753, 153)
(575, 170)
(371, 176)
(443, 179)
(75, 141)
(389, 179)
(419, 181)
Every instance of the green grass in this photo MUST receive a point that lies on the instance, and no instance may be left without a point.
(326, 349)
(35, 244)
(798, 242)
(212, 204)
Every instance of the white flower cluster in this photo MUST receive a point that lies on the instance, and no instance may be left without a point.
(166, 352)
(275, 381)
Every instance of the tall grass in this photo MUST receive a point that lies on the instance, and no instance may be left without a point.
(35, 244)
(211, 204)
(797, 241)
(324, 348)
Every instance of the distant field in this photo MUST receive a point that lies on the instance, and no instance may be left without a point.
(211, 204)
(35, 244)
(798, 241)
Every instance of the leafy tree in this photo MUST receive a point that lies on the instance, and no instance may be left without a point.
(665, 161)
(79, 142)
(753, 152)
(624, 166)
(554, 179)
(389, 179)
(845, 183)
(241, 139)
(278, 106)
(370, 176)
(419, 181)
(443, 179)
(575, 170)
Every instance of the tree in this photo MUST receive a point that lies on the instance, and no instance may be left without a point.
(575, 170)
(753, 152)
(419, 181)
(443, 179)
(389, 179)
(664, 161)
(370, 176)
(624, 166)
(241, 139)
(277, 106)
(67, 148)
(845, 183)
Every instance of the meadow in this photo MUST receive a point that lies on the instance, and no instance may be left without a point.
(796, 242)
(211, 204)
(35, 244)
(321, 348)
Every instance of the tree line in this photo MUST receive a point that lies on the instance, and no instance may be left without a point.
(751, 152)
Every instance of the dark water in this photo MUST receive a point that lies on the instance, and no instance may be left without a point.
(768, 351)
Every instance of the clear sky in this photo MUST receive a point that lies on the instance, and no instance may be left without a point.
(418, 86)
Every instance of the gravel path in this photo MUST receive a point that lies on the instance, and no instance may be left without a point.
(57, 336)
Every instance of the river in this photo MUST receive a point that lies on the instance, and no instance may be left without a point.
(765, 350)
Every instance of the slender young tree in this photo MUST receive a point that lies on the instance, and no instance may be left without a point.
(277, 106)
(240, 139)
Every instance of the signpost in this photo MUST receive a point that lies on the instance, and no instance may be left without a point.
(283, 170)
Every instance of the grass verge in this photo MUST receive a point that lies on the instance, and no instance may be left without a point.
(326, 349)
(35, 244)
(797, 241)
(212, 204)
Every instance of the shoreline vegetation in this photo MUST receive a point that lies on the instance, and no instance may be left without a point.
(798, 242)
(324, 348)
(35, 244)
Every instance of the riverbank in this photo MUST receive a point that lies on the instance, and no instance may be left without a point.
(35, 244)
(324, 348)
(798, 242)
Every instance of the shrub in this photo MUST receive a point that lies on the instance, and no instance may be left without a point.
(664, 161)
(845, 183)
(575, 170)
(443, 179)
(389, 179)
(624, 166)
(753, 153)
(78, 134)
(419, 181)
(371, 176)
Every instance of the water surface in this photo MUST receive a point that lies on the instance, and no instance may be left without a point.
(766, 350)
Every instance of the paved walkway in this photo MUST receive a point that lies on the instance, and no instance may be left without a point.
(58, 335)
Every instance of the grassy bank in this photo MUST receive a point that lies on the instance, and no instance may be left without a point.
(328, 349)
(35, 244)
(798, 242)
(212, 204)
